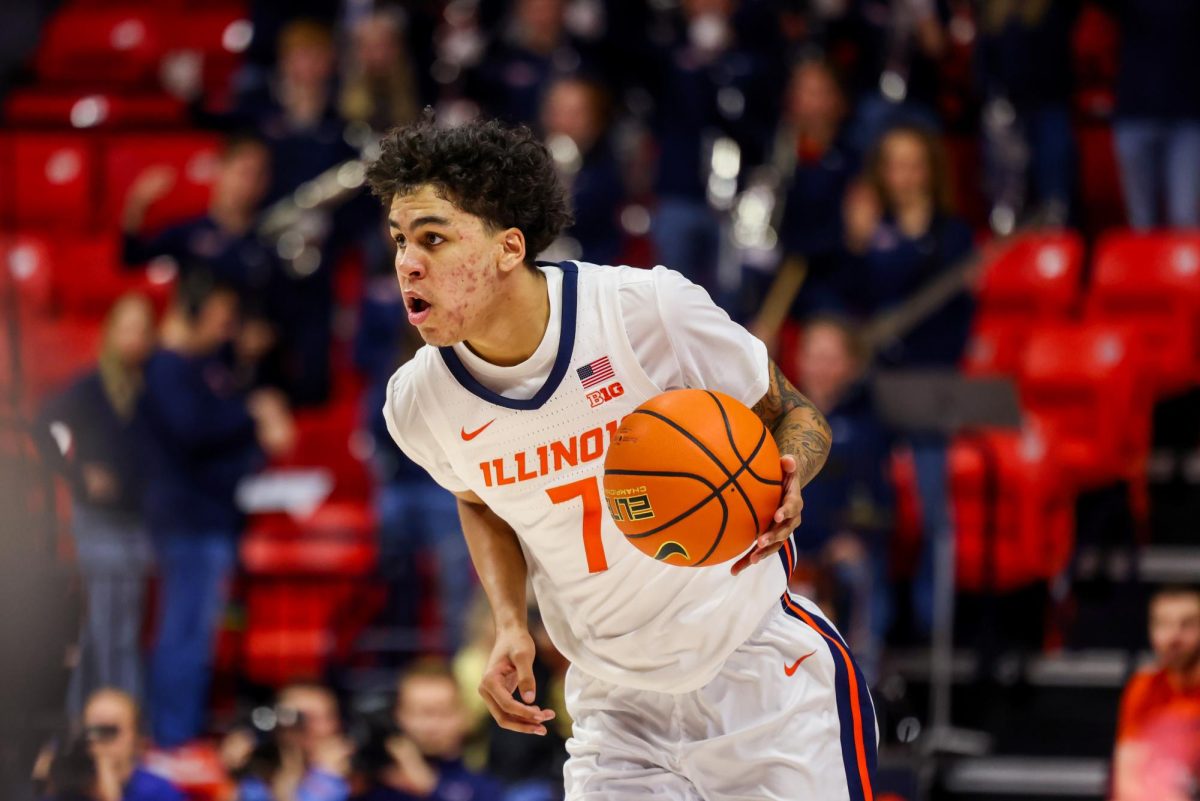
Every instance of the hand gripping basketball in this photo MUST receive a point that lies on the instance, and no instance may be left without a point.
(693, 478)
(787, 518)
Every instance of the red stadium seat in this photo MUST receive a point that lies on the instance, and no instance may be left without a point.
(1025, 532)
(7, 181)
(63, 108)
(218, 37)
(1086, 386)
(53, 180)
(995, 346)
(1034, 279)
(193, 158)
(1151, 282)
(55, 351)
(331, 438)
(1038, 276)
(307, 589)
(101, 46)
(28, 271)
(89, 277)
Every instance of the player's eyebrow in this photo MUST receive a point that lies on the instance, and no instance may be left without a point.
(428, 219)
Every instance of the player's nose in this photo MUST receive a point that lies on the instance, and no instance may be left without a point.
(409, 265)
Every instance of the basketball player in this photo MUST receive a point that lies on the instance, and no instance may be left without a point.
(686, 683)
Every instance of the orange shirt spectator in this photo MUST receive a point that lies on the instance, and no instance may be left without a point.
(1158, 732)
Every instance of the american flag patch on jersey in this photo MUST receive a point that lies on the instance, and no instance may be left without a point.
(593, 373)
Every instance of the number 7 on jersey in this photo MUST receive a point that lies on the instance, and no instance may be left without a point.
(589, 490)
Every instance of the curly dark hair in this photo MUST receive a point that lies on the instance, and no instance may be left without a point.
(502, 175)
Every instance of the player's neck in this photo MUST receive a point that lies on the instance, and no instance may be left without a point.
(516, 322)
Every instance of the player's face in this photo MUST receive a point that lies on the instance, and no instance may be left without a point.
(447, 265)
(1175, 631)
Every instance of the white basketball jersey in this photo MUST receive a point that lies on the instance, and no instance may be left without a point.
(614, 612)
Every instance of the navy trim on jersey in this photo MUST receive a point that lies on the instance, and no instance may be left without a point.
(787, 555)
(566, 346)
(843, 662)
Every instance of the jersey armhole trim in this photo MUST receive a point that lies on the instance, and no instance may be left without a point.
(566, 346)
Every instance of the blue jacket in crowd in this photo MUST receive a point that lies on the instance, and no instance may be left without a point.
(99, 436)
(455, 783)
(853, 491)
(1159, 59)
(897, 266)
(202, 442)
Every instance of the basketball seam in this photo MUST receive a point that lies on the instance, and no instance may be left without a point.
(733, 444)
(715, 492)
(711, 455)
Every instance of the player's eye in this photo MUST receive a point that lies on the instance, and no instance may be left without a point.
(400, 241)
(432, 239)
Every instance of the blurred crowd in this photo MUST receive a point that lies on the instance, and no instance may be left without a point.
(789, 156)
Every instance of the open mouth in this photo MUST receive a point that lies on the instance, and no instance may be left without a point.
(418, 309)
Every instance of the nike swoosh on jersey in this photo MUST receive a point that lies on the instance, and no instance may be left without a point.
(470, 435)
(792, 670)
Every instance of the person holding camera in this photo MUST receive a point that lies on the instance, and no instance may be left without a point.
(296, 751)
(426, 750)
(104, 763)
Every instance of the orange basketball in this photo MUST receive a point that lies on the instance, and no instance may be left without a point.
(692, 477)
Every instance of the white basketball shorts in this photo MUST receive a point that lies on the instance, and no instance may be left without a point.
(789, 717)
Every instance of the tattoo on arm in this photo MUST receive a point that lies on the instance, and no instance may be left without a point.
(798, 427)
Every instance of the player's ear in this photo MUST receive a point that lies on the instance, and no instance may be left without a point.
(512, 248)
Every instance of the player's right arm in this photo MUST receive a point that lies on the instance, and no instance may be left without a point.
(497, 556)
(500, 564)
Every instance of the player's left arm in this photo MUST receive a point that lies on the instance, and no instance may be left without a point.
(803, 437)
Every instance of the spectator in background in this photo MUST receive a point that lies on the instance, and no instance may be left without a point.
(112, 729)
(903, 235)
(575, 117)
(899, 44)
(296, 112)
(847, 507)
(308, 758)
(427, 754)
(532, 50)
(1024, 54)
(296, 115)
(378, 88)
(707, 85)
(1157, 122)
(416, 516)
(204, 436)
(814, 151)
(1158, 732)
(93, 435)
(224, 242)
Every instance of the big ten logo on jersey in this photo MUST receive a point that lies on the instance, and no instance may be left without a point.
(630, 503)
(605, 394)
(548, 458)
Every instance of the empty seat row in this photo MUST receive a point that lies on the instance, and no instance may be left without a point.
(1149, 283)
(78, 183)
(125, 45)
